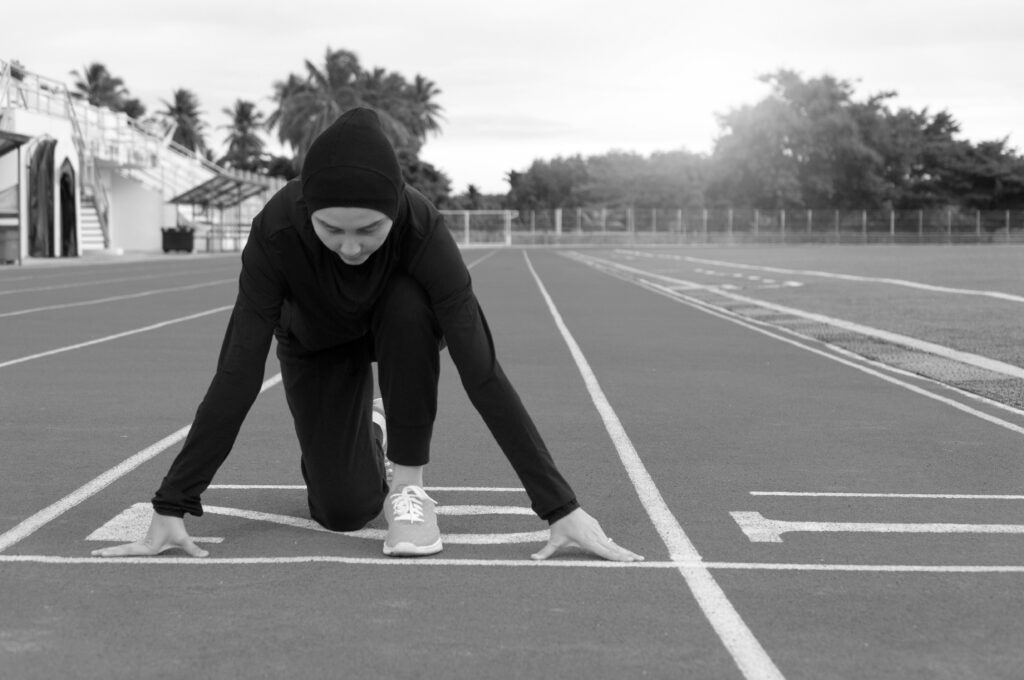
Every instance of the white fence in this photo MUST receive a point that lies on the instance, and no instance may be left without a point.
(732, 225)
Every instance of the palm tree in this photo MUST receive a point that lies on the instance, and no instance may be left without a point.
(245, 146)
(183, 112)
(98, 86)
(307, 107)
(427, 112)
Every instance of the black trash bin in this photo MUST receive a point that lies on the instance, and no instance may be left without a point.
(178, 239)
(10, 245)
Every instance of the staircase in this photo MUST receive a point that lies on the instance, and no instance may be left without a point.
(89, 230)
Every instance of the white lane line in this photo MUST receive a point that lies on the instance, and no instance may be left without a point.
(999, 295)
(761, 529)
(483, 510)
(746, 651)
(82, 284)
(336, 559)
(851, 494)
(32, 524)
(116, 336)
(480, 259)
(894, 338)
(116, 298)
(60, 560)
(499, 489)
(855, 361)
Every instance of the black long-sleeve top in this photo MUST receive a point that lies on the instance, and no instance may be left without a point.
(291, 282)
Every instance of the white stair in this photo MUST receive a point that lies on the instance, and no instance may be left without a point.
(89, 230)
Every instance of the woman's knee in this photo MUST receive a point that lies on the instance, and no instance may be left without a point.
(348, 514)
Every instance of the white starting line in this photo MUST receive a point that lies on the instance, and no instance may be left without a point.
(131, 525)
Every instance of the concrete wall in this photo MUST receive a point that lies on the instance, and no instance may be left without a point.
(136, 215)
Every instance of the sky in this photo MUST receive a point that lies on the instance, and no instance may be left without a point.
(534, 79)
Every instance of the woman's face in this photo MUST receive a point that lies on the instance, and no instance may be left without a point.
(353, 233)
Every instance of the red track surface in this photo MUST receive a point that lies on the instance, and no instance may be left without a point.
(714, 410)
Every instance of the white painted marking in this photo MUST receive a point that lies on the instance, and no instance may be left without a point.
(335, 559)
(32, 524)
(116, 298)
(483, 510)
(850, 494)
(760, 529)
(82, 284)
(131, 525)
(894, 338)
(378, 534)
(160, 561)
(854, 361)
(865, 279)
(499, 489)
(301, 487)
(746, 651)
(480, 259)
(116, 336)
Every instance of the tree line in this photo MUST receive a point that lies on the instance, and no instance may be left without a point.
(810, 143)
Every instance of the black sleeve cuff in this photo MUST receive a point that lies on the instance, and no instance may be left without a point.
(559, 513)
(167, 512)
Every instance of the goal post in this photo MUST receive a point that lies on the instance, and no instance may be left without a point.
(481, 227)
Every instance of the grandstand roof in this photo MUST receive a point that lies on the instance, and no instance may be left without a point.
(222, 191)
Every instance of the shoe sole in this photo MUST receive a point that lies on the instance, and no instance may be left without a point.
(412, 550)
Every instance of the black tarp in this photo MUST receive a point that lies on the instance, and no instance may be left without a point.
(68, 214)
(40, 200)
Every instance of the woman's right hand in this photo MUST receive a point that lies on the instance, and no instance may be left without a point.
(165, 533)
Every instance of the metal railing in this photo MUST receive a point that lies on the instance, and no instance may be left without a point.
(741, 225)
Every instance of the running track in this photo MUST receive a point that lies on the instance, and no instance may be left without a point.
(675, 423)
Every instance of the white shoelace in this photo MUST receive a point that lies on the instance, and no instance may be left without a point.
(408, 504)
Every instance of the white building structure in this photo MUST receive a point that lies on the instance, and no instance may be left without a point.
(76, 178)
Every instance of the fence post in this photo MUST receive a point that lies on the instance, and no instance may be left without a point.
(837, 226)
(920, 225)
(977, 223)
(604, 219)
(579, 220)
(679, 220)
(465, 225)
(533, 221)
(810, 217)
(892, 225)
(730, 224)
(558, 221)
(949, 224)
(864, 225)
(1007, 226)
(757, 219)
(704, 225)
(508, 227)
(782, 224)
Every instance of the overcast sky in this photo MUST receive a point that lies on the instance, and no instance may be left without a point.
(526, 79)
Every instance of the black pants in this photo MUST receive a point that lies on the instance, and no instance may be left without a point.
(330, 395)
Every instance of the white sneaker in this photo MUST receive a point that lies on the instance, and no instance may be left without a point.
(412, 523)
